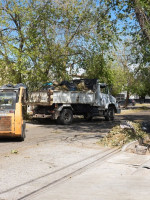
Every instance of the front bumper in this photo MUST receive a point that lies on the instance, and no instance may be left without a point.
(43, 116)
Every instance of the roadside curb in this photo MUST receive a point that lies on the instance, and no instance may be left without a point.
(129, 145)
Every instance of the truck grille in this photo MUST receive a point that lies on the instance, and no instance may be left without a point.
(5, 123)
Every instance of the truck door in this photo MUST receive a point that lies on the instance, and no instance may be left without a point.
(104, 95)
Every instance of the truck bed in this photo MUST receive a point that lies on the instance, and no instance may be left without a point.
(68, 97)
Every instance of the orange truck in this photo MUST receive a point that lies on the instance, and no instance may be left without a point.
(12, 100)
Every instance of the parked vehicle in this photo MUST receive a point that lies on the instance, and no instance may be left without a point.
(131, 102)
(92, 100)
(12, 99)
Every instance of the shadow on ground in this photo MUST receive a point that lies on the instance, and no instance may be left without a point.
(79, 130)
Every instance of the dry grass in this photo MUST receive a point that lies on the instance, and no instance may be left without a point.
(134, 110)
(119, 136)
(143, 104)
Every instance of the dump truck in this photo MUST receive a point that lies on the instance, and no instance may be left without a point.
(12, 100)
(94, 99)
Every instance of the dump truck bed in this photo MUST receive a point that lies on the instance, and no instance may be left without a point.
(54, 96)
(73, 97)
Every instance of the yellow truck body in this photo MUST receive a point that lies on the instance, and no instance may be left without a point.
(11, 113)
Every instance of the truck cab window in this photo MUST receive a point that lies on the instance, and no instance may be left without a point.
(104, 90)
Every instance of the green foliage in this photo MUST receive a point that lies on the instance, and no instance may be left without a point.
(94, 65)
(142, 86)
(117, 80)
(43, 40)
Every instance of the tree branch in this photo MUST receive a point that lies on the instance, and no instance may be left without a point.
(74, 33)
(142, 19)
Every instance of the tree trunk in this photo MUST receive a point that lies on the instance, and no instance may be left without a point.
(142, 19)
(127, 99)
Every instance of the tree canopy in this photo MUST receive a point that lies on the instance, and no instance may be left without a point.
(45, 40)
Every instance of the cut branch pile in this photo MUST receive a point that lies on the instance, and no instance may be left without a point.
(124, 133)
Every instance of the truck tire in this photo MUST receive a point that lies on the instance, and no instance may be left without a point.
(110, 114)
(66, 117)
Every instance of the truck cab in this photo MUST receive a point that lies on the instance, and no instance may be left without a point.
(12, 100)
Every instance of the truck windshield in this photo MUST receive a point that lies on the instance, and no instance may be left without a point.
(7, 100)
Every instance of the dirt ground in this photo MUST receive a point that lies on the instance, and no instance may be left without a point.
(49, 146)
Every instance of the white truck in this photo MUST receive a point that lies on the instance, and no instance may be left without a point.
(62, 105)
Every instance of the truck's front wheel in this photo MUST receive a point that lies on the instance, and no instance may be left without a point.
(66, 117)
(110, 114)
